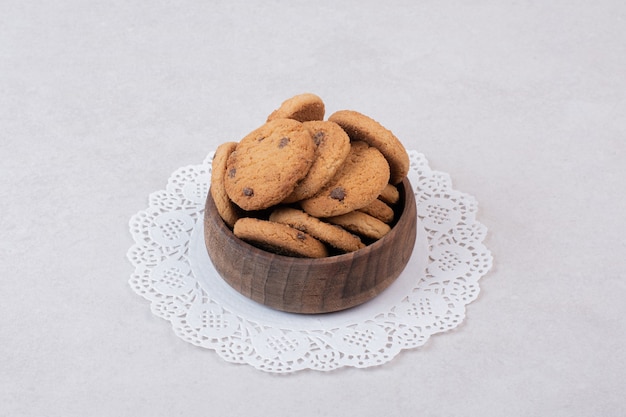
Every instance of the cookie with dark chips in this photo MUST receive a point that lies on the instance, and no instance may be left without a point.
(268, 163)
(363, 128)
(358, 182)
(332, 146)
(302, 107)
(279, 238)
(334, 236)
(362, 224)
(228, 211)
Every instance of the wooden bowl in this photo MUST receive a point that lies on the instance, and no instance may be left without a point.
(302, 285)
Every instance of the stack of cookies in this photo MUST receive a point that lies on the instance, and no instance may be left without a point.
(303, 186)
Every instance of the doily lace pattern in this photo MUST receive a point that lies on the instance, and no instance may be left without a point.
(173, 272)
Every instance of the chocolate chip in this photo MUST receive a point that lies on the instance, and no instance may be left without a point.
(283, 142)
(301, 236)
(248, 192)
(338, 193)
(318, 138)
(232, 172)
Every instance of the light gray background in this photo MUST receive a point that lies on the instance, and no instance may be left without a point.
(523, 103)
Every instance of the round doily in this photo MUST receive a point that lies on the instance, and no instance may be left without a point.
(174, 272)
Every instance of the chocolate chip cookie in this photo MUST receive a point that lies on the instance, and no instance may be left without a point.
(268, 163)
(279, 238)
(303, 108)
(332, 146)
(390, 194)
(379, 210)
(334, 236)
(363, 128)
(227, 210)
(359, 181)
(361, 224)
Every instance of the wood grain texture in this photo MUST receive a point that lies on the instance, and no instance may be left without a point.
(311, 286)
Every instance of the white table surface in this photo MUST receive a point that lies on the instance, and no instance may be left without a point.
(523, 103)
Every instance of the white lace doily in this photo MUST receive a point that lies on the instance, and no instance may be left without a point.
(174, 272)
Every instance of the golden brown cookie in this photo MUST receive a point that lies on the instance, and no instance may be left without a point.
(228, 211)
(268, 163)
(279, 238)
(358, 182)
(333, 235)
(390, 194)
(303, 107)
(379, 210)
(332, 148)
(362, 224)
(363, 128)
